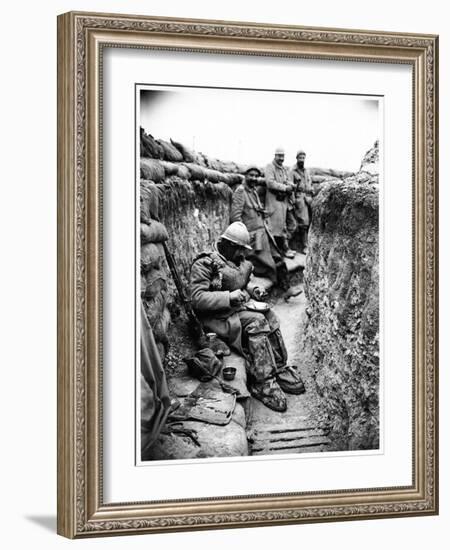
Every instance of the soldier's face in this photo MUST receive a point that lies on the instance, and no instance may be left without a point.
(301, 159)
(279, 158)
(232, 252)
(251, 178)
(237, 254)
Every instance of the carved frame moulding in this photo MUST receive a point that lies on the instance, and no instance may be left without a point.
(82, 38)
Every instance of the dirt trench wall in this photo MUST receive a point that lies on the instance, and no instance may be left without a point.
(193, 214)
(342, 287)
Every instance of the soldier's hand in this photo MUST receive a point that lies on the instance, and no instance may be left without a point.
(259, 293)
(237, 297)
(289, 188)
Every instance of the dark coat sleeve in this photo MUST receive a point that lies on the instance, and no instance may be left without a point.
(203, 299)
(237, 205)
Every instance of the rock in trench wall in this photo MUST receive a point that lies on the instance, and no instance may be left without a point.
(342, 287)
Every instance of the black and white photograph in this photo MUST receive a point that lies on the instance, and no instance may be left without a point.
(258, 290)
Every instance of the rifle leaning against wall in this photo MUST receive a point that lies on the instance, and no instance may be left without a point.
(194, 323)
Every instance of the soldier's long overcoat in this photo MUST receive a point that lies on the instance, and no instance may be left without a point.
(212, 279)
(246, 207)
(277, 199)
(303, 192)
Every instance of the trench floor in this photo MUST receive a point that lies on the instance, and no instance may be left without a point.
(296, 430)
(268, 432)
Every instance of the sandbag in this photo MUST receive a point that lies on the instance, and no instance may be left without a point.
(202, 160)
(149, 199)
(170, 168)
(161, 327)
(171, 153)
(223, 177)
(151, 256)
(212, 175)
(153, 232)
(183, 172)
(155, 299)
(197, 172)
(188, 155)
(152, 169)
(143, 284)
(156, 291)
(235, 179)
(229, 166)
(150, 147)
(215, 164)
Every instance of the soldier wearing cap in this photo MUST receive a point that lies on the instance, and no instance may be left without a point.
(221, 287)
(279, 189)
(303, 195)
(248, 207)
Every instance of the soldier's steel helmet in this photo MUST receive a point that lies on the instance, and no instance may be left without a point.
(279, 151)
(238, 234)
(253, 168)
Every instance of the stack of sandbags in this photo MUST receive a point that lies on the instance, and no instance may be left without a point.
(152, 267)
(158, 149)
(319, 175)
(159, 171)
(153, 170)
(149, 201)
(150, 146)
(186, 153)
(161, 159)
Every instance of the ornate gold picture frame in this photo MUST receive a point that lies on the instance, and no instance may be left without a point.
(82, 40)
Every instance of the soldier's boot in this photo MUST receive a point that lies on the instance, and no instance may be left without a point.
(263, 384)
(287, 376)
(292, 291)
(284, 284)
(282, 276)
(289, 380)
(270, 394)
(287, 251)
(283, 246)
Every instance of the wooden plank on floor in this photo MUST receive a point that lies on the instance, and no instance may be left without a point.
(290, 444)
(291, 435)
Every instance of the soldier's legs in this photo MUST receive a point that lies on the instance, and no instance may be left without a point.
(287, 376)
(265, 342)
(276, 339)
(281, 269)
(303, 232)
(263, 386)
(281, 242)
(291, 222)
(256, 330)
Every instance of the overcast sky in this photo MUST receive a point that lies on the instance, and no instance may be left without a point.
(246, 125)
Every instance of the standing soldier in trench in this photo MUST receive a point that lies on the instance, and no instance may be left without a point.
(303, 195)
(221, 290)
(278, 202)
(265, 255)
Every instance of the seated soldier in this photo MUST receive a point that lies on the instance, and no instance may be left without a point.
(221, 288)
